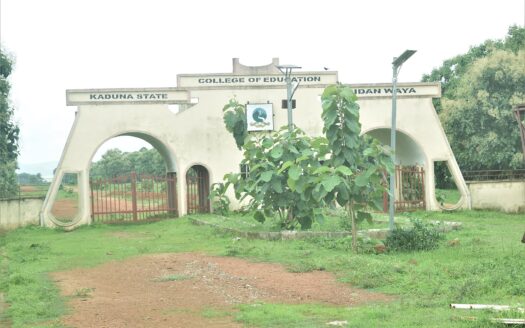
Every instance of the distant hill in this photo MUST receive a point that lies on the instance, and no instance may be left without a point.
(45, 169)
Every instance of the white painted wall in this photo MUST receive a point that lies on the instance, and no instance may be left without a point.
(507, 196)
(19, 212)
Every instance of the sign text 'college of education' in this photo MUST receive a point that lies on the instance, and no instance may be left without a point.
(256, 79)
(210, 81)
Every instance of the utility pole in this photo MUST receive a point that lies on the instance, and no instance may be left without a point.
(396, 67)
(290, 90)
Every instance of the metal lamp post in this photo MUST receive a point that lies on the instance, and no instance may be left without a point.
(396, 67)
(290, 90)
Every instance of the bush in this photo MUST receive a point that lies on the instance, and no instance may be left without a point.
(221, 202)
(421, 237)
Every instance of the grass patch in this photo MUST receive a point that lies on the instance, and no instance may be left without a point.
(392, 315)
(83, 292)
(34, 190)
(485, 266)
(211, 313)
(334, 221)
(172, 277)
(448, 196)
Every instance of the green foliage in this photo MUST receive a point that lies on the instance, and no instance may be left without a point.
(294, 175)
(8, 184)
(116, 162)
(479, 120)
(360, 162)
(220, 202)
(235, 121)
(30, 179)
(479, 90)
(259, 217)
(421, 237)
(9, 132)
(286, 177)
(172, 277)
(454, 68)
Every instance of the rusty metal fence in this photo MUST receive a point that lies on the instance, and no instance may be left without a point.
(198, 190)
(133, 198)
(491, 175)
(410, 185)
(410, 189)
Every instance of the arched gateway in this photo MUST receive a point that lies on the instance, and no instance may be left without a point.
(197, 148)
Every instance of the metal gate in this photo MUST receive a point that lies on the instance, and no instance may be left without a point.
(198, 189)
(133, 197)
(410, 189)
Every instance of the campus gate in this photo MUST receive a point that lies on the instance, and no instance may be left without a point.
(133, 197)
(185, 124)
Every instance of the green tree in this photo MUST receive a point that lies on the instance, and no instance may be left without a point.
(9, 132)
(295, 175)
(235, 121)
(358, 163)
(30, 179)
(113, 163)
(147, 161)
(116, 163)
(285, 177)
(454, 68)
(452, 74)
(479, 121)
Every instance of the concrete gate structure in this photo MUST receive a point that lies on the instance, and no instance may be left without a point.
(195, 134)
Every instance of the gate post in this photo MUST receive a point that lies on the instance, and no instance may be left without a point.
(134, 194)
(171, 179)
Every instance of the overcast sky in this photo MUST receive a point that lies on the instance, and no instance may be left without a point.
(59, 45)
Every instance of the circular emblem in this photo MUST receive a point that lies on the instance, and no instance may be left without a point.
(259, 115)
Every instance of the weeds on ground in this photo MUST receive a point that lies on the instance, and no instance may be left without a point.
(172, 277)
(420, 237)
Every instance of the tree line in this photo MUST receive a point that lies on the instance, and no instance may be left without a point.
(479, 90)
(118, 163)
(8, 131)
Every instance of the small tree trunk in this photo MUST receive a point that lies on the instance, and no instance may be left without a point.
(350, 210)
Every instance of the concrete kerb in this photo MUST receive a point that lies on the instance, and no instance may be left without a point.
(443, 226)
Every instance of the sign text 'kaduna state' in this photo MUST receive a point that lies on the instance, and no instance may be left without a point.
(128, 96)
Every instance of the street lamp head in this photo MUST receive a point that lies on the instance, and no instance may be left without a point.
(287, 69)
(398, 61)
(287, 66)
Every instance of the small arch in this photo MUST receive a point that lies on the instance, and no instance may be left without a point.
(408, 150)
(166, 153)
(129, 195)
(197, 189)
(410, 167)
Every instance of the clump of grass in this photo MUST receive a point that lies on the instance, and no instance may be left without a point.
(215, 313)
(83, 292)
(172, 277)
